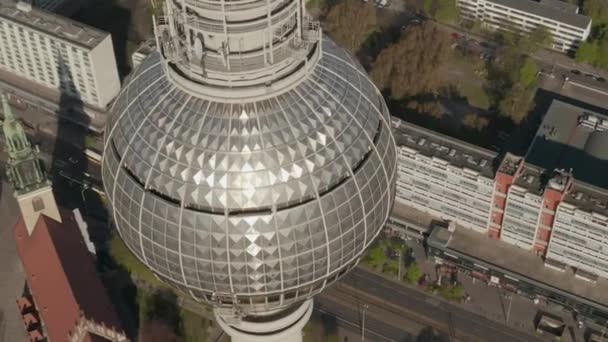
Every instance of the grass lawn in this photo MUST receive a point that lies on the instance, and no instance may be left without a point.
(475, 94)
(194, 327)
(123, 256)
(191, 327)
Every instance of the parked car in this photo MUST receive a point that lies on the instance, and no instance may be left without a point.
(600, 79)
(576, 72)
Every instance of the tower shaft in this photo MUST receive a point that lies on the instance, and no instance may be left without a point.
(240, 43)
(24, 169)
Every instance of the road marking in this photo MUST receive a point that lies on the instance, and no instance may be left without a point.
(587, 87)
(433, 301)
(354, 324)
(507, 330)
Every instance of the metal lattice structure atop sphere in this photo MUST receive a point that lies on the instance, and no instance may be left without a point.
(256, 201)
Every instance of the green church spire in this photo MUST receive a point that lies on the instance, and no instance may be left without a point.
(24, 168)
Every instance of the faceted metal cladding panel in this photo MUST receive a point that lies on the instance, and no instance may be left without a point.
(267, 200)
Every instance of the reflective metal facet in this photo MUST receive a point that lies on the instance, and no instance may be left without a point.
(262, 201)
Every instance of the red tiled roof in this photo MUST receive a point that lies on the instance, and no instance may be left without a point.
(62, 276)
(94, 338)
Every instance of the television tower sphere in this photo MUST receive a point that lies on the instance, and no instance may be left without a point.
(248, 162)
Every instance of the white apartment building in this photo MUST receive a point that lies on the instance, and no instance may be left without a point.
(58, 53)
(52, 5)
(567, 26)
(522, 210)
(580, 231)
(444, 177)
(144, 49)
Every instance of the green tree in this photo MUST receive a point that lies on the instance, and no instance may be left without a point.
(447, 11)
(413, 273)
(587, 52)
(350, 23)
(537, 38)
(333, 338)
(602, 55)
(475, 122)
(444, 11)
(597, 10)
(455, 292)
(517, 103)
(528, 73)
(375, 257)
(391, 267)
(411, 66)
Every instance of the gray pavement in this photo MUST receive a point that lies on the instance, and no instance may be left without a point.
(494, 303)
(584, 93)
(463, 323)
(12, 277)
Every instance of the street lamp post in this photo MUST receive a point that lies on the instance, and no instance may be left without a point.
(365, 307)
(400, 262)
(509, 309)
(84, 187)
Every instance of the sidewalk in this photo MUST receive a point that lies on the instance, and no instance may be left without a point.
(497, 304)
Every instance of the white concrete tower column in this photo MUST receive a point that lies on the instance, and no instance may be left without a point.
(285, 326)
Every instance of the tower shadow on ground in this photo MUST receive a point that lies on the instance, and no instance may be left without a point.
(73, 175)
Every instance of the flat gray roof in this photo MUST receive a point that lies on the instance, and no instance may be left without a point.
(563, 141)
(493, 253)
(55, 25)
(588, 198)
(549, 10)
(531, 178)
(509, 164)
(411, 215)
(454, 151)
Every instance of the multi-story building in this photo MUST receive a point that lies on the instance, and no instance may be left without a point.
(544, 214)
(580, 231)
(144, 49)
(63, 7)
(544, 202)
(64, 299)
(57, 53)
(562, 20)
(443, 176)
(522, 209)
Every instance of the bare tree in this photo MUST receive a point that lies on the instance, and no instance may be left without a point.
(411, 66)
(157, 331)
(350, 23)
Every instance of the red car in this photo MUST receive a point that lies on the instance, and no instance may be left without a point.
(455, 35)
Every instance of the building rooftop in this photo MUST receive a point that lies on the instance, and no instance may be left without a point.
(51, 24)
(510, 164)
(62, 276)
(497, 254)
(454, 151)
(549, 9)
(570, 137)
(560, 5)
(411, 215)
(588, 198)
(531, 178)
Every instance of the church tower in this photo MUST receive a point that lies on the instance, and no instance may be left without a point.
(33, 190)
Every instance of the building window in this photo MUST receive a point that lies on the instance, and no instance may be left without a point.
(38, 204)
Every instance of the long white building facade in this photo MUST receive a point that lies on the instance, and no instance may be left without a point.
(543, 203)
(563, 21)
(580, 231)
(443, 176)
(58, 53)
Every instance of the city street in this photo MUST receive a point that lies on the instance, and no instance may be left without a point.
(424, 308)
(12, 277)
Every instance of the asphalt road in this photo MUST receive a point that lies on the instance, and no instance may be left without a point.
(424, 308)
